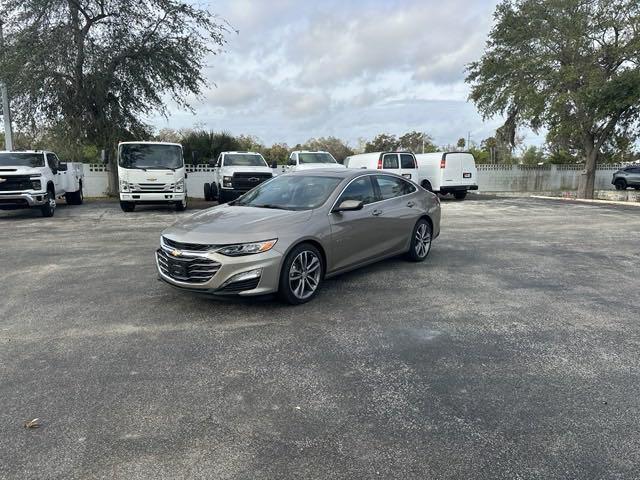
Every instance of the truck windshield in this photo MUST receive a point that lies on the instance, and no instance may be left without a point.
(143, 156)
(244, 160)
(18, 159)
(316, 157)
(290, 192)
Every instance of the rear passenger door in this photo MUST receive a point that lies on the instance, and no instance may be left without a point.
(634, 176)
(398, 212)
(408, 167)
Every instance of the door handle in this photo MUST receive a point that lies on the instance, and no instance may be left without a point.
(410, 204)
(376, 213)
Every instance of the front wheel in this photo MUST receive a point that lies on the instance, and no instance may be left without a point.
(49, 208)
(620, 184)
(301, 274)
(181, 206)
(420, 241)
(127, 206)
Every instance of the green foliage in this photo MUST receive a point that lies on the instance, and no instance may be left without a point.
(572, 66)
(93, 69)
(336, 147)
(461, 143)
(417, 142)
(200, 146)
(532, 156)
(383, 142)
(481, 156)
(278, 152)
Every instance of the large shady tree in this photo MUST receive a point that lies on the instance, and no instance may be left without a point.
(92, 70)
(571, 66)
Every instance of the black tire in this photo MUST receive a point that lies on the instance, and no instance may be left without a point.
(127, 206)
(49, 208)
(223, 197)
(207, 192)
(301, 255)
(620, 184)
(214, 192)
(427, 186)
(181, 206)
(421, 238)
(460, 195)
(75, 198)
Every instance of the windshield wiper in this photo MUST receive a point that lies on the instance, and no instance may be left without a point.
(269, 205)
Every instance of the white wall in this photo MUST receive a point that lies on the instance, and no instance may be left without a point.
(491, 178)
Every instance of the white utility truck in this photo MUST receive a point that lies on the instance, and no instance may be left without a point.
(234, 174)
(448, 172)
(36, 179)
(151, 173)
(305, 160)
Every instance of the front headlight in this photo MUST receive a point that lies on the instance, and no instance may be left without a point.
(124, 186)
(227, 182)
(247, 248)
(180, 185)
(36, 185)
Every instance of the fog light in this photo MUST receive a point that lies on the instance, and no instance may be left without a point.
(250, 275)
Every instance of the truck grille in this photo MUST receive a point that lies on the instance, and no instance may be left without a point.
(243, 182)
(185, 269)
(14, 183)
(152, 187)
(191, 247)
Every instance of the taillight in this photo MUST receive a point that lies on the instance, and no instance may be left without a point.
(443, 162)
(380, 163)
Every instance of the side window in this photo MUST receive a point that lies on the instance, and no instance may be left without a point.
(54, 164)
(390, 161)
(361, 190)
(391, 187)
(407, 161)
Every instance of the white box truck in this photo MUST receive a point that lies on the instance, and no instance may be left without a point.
(36, 179)
(151, 173)
(448, 172)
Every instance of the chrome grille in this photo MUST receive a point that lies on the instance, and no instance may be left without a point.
(190, 247)
(152, 187)
(187, 269)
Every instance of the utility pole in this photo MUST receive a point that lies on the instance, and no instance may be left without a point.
(6, 104)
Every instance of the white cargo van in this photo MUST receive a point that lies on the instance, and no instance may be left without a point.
(401, 163)
(448, 172)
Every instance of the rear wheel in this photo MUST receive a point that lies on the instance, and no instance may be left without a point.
(127, 206)
(620, 184)
(49, 208)
(207, 192)
(427, 186)
(420, 241)
(75, 198)
(460, 195)
(301, 274)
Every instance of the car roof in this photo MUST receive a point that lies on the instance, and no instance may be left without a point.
(347, 173)
(25, 151)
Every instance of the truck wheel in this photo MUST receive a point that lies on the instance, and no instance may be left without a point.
(460, 195)
(214, 192)
(127, 206)
(49, 208)
(427, 186)
(181, 206)
(75, 198)
(223, 197)
(207, 192)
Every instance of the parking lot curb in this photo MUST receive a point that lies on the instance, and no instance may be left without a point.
(584, 200)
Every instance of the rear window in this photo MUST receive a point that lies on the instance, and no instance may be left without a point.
(390, 161)
(391, 187)
(18, 159)
(407, 161)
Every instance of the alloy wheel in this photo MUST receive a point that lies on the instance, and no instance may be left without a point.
(423, 240)
(304, 274)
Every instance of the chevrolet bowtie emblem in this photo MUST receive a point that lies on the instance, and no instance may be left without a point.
(151, 179)
(2, 180)
(176, 253)
(254, 179)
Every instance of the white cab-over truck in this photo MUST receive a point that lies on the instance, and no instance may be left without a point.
(305, 160)
(234, 174)
(36, 179)
(151, 173)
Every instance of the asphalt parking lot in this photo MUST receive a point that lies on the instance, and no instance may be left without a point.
(512, 353)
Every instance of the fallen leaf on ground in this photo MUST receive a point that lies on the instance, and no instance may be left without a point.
(35, 423)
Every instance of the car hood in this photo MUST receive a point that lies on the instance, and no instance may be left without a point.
(226, 224)
(20, 171)
(232, 170)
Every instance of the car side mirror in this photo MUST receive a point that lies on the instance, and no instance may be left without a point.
(349, 206)
(274, 164)
(292, 162)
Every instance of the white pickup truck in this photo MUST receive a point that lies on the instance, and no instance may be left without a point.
(36, 179)
(234, 174)
(306, 160)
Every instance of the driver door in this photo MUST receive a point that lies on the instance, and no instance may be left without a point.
(353, 234)
(58, 174)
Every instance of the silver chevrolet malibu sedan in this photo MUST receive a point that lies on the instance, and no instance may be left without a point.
(290, 233)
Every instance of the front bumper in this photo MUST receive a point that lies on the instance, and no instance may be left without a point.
(11, 200)
(269, 262)
(165, 197)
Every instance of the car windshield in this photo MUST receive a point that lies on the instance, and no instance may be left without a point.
(316, 157)
(17, 159)
(151, 156)
(244, 160)
(291, 192)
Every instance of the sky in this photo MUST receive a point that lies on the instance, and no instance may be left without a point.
(351, 69)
